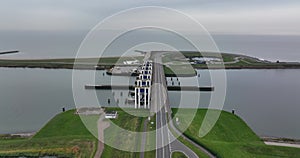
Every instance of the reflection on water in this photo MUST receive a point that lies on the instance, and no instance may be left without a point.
(268, 100)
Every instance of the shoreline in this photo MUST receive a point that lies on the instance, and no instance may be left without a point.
(280, 140)
(196, 68)
(269, 140)
(228, 61)
(282, 144)
(17, 135)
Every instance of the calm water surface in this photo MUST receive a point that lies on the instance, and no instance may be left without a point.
(268, 100)
(62, 44)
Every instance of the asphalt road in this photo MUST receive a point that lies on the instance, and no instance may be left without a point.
(166, 143)
(158, 99)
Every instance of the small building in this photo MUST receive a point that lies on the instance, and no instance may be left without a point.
(131, 62)
(111, 114)
(205, 60)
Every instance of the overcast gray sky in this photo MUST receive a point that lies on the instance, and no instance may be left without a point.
(218, 16)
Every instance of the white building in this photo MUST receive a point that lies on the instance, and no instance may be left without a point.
(111, 115)
(131, 62)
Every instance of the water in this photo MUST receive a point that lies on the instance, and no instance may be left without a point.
(62, 44)
(270, 47)
(30, 97)
(268, 100)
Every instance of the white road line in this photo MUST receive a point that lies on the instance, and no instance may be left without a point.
(162, 137)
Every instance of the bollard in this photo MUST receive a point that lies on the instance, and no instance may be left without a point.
(108, 101)
(63, 109)
(233, 111)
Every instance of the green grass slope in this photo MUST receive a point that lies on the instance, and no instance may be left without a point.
(231, 137)
(65, 125)
(63, 136)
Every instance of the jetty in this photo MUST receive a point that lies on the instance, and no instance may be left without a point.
(131, 87)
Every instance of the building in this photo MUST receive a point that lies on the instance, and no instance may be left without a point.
(111, 115)
(205, 60)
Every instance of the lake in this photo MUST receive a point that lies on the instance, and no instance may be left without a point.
(268, 100)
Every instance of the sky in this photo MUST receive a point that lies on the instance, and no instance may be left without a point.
(217, 16)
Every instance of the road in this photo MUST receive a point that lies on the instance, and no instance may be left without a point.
(158, 100)
(166, 143)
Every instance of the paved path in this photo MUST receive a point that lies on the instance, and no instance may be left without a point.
(144, 139)
(102, 125)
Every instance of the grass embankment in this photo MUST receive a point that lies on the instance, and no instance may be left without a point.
(64, 136)
(231, 137)
(179, 71)
(190, 145)
(178, 155)
(178, 62)
(68, 63)
(122, 139)
(226, 57)
(176, 65)
(237, 61)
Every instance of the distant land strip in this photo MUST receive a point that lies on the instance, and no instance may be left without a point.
(230, 61)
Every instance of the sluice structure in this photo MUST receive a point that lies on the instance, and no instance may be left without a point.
(143, 86)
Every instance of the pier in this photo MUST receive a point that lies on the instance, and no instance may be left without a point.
(9, 52)
(132, 87)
